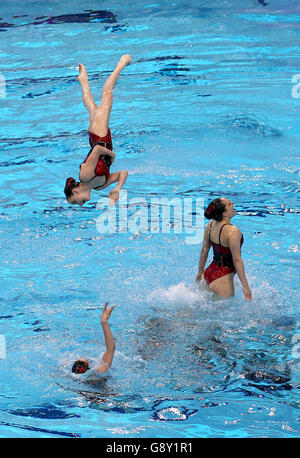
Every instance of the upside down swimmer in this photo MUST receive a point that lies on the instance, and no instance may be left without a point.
(95, 172)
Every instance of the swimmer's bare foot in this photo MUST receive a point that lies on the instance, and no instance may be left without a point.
(125, 60)
(83, 76)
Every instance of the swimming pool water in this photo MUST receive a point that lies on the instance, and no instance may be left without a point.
(205, 109)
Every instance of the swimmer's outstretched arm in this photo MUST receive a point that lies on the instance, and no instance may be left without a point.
(204, 253)
(119, 177)
(108, 355)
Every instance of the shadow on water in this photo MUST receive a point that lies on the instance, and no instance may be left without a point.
(247, 124)
(89, 16)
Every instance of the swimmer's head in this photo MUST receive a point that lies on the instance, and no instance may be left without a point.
(81, 366)
(219, 209)
(75, 193)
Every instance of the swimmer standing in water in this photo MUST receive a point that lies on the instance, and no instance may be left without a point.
(82, 365)
(94, 171)
(226, 241)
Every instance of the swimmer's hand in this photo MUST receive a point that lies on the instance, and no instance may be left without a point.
(247, 293)
(199, 276)
(125, 60)
(106, 313)
(114, 195)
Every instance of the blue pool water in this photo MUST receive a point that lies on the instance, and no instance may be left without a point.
(205, 109)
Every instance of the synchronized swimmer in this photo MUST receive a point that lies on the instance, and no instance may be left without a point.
(226, 241)
(82, 364)
(95, 170)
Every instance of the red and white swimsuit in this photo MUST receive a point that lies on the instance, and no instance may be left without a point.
(101, 170)
(222, 263)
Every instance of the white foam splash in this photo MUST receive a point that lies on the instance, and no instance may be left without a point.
(175, 294)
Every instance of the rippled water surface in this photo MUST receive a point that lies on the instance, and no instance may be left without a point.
(205, 109)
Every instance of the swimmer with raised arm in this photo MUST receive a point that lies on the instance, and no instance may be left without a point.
(226, 241)
(95, 170)
(82, 365)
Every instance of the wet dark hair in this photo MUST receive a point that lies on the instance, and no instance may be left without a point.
(71, 183)
(215, 210)
(80, 367)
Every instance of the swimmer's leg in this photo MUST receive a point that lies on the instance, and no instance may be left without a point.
(223, 286)
(100, 122)
(205, 287)
(87, 97)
